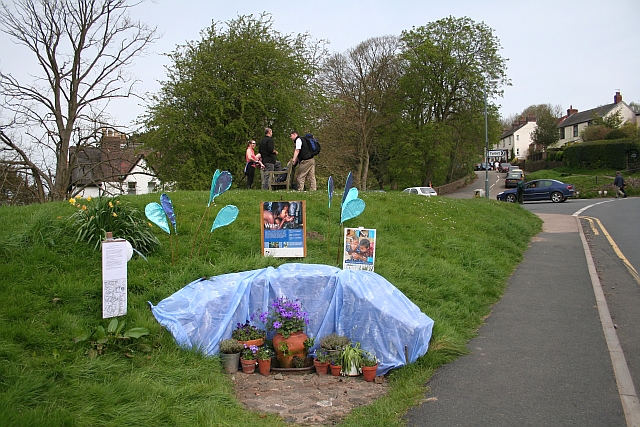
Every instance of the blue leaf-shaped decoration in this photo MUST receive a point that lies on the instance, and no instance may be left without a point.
(156, 215)
(330, 189)
(165, 201)
(347, 187)
(223, 183)
(213, 186)
(352, 209)
(352, 194)
(226, 216)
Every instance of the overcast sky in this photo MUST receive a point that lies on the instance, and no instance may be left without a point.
(561, 52)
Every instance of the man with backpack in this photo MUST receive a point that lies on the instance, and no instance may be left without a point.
(303, 157)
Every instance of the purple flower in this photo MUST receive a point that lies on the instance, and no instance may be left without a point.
(277, 324)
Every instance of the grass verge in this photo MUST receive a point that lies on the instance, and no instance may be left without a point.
(450, 257)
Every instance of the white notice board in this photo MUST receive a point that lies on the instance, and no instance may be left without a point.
(114, 278)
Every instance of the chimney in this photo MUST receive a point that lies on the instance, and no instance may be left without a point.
(617, 98)
(571, 111)
(531, 119)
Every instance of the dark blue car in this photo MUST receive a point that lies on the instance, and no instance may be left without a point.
(540, 189)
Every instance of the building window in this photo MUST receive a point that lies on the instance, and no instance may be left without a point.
(575, 131)
(131, 189)
(561, 133)
(517, 137)
(517, 151)
(152, 187)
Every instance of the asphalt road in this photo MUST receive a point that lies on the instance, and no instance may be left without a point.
(546, 356)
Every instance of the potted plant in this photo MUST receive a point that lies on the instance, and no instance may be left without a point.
(288, 319)
(264, 355)
(248, 359)
(369, 366)
(230, 354)
(250, 334)
(351, 358)
(334, 343)
(321, 362)
(335, 364)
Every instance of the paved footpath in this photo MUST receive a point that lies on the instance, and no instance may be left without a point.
(541, 359)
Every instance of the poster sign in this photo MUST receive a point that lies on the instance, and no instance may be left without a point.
(115, 254)
(283, 229)
(359, 249)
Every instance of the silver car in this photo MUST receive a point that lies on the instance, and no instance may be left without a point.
(424, 191)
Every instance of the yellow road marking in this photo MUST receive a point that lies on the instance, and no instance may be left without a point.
(617, 250)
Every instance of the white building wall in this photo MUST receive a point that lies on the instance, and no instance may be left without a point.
(518, 141)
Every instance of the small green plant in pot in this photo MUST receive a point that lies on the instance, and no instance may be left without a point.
(230, 346)
(351, 358)
(334, 342)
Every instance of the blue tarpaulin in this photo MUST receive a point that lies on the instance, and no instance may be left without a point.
(361, 305)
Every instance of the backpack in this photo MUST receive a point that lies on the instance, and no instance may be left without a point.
(313, 144)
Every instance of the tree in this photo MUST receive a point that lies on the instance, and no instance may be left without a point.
(82, 49)
(449, 67)
(225, 89)
(361, 84)
(546, 132)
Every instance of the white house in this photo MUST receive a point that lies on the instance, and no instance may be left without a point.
(113, 168)
(575, 122)
(517, 139)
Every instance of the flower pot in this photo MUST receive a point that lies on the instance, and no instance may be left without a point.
(257, 343)
(264, 366)
(321, 367)
(335, 370)
(295, 342)
(230, 362)
(369, 372)
(248, 366)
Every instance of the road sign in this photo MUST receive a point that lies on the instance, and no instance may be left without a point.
(495, 153)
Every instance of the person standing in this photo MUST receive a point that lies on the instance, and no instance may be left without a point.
(520, 189)
(253, 162)
(268, 156)
(303, 157)
(618, 182)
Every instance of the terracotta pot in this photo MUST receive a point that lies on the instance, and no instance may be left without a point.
(321, 367)
(295, 342)
(335, 370)
(248, 366)
(249, 343)
(369, 372)
(264, 366)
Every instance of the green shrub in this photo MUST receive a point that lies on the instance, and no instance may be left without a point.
(96, 217)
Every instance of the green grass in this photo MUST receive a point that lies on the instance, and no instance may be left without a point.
(591, 183)
(440, 252)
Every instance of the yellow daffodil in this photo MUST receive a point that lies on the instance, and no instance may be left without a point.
(117, 202)
(114, 214)
(150, 225)
(89, 199)
(78, 205)
(84, 208)
(110, 204)
(72, 201)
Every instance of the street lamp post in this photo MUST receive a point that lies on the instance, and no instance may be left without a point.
(486, 145)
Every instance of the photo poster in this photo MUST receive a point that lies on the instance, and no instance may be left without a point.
(359, 249)
(283, 229)
(114, 277)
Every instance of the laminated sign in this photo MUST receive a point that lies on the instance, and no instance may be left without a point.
(359, 249)
(115, 254)
(283, 229)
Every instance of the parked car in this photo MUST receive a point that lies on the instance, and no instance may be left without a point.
(504, 167)
(482, 166)
(511, 181)
(540, 189)
(424, 191)
(512, 168)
